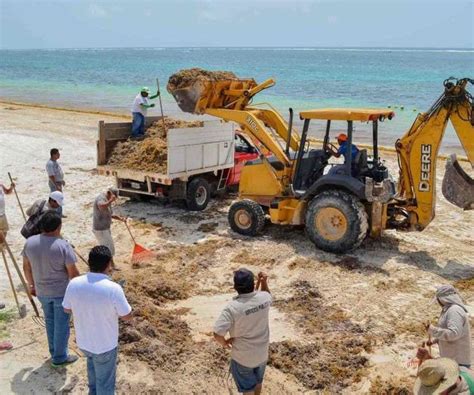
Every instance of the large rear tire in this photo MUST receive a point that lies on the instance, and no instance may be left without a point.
(198, 194)
(336, 221)
(246, 217)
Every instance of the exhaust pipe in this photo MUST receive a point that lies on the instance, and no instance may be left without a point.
(288, 137)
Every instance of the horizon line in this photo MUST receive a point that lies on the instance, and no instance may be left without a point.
(243, 47)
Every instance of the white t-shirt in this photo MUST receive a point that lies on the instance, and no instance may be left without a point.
(96, 303)
(139, 99)
(246, 320)
(2, 201)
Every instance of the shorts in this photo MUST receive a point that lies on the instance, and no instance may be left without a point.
(104, 238)
(3, 228)
(246, 378)
(3, 224)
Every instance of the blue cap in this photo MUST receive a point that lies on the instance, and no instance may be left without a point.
(243, 279)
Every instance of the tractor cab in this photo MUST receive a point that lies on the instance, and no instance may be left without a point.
(312, 168)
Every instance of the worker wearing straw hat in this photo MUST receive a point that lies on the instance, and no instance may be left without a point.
(444, 377)
(139, 109)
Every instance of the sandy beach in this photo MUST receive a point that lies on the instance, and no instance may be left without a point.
(340, 324)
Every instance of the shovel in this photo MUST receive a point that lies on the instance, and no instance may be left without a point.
(458, 187)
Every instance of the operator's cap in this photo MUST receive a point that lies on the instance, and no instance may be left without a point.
(114, 191)
(342, 137)
(145, 89)
(243, 279)
(58, 197)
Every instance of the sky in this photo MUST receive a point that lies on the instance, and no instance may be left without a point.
(32, 24)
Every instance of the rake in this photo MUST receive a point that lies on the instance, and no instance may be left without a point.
(38, 319)
(139, 253)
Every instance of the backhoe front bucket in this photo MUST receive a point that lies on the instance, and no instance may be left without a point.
(196, 90)
(458, 187)
(188, 98)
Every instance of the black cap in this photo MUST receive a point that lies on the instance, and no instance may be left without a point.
(243, 280)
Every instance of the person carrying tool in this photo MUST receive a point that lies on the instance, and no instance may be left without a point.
(139, 109)
(97, 303)
(55, 173)
(36, 211)
(54, 202)
(442, 376)
(49, 263)
(246, 320)
(453, 333)
(102, 216)
(3, 218)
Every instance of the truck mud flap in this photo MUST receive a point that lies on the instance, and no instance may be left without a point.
(458, 186)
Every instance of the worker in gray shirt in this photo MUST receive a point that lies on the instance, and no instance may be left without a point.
(453, 332)
(55, 174)
(245, 318)
(102, 216)
(49, 262)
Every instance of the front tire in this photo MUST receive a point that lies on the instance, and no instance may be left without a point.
(198, 194)
(246, 217)
(336, 221)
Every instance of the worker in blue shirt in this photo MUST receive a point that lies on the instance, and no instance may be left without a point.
(343, 147)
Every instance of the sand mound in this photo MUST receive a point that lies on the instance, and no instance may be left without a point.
(187, 77)
(151, 153)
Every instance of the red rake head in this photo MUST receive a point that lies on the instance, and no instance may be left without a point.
(141, 254)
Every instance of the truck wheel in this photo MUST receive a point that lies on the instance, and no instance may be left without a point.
(246, 217)
(336, 221)
(198, 194)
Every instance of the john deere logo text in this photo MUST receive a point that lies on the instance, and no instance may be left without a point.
(424, 185)
(252, 123)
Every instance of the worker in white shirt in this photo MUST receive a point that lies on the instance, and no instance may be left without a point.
(97, 303)
(139, 109)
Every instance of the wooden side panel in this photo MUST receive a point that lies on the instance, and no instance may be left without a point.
(113, 132)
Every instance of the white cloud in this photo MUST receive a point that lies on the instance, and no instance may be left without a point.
(97, 11)
(332, 19)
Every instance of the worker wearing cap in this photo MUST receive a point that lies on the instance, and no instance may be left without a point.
(245, 318)
(139, 109)
(453, 332)
(102, 216)
(344, 146)
(443, 376)
(54, 202)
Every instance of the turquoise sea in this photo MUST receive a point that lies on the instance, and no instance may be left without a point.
(108, 79)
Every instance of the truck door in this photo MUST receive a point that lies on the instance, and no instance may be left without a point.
(244, 151)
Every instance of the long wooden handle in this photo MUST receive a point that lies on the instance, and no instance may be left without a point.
(17, 198)
(161, 104)
(11, 282)
(129, 231)
(25, 286)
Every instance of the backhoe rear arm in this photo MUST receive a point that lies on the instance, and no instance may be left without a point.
(418, 152)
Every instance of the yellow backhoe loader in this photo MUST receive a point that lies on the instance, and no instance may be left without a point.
(340, 205)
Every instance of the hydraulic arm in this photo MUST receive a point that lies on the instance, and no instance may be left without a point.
(418, 152)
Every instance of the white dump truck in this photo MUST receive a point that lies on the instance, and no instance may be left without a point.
(200, 161)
